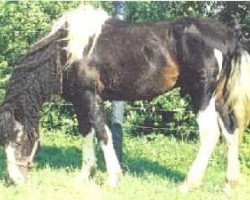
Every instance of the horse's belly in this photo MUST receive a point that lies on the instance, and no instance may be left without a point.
(137, 89)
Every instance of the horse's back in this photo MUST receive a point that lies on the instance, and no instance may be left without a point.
(132, 59)
(211, 32)
(142, 60)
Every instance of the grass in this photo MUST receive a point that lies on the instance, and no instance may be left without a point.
(154, 168)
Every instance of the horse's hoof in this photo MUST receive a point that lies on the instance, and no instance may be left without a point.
(86, 174)
(227, 189)
(17, 179)
(187, 186)
(83, 177)
(15, 176)
(232, 184)
(184, 188)
(114, 180)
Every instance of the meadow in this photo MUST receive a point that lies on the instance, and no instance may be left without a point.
(154, 166)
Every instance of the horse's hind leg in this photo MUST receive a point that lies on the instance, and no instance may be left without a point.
(209, 135)
(233, 164)
(230, 132)
(204, 100)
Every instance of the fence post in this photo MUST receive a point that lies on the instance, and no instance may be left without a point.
(118, 106)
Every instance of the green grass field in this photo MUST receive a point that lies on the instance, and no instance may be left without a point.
(154, 168)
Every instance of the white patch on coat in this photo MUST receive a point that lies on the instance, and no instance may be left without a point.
(19, 129)
(88, 156)
(233, 163)
(112, 163)
(219, 57)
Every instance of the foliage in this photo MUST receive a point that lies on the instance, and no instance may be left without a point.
(22, 23)
(59, 115)
(237, 12)
(168, 114)
(158, 10)
(18, 30)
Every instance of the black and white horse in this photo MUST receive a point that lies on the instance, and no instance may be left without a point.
(89, 57)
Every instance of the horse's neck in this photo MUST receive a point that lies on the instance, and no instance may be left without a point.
(36, 77)
(37, 85)
(26, 108)
(30, 88)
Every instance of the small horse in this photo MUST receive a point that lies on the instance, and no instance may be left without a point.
(89, 57)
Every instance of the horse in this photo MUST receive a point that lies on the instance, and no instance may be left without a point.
(88, 57)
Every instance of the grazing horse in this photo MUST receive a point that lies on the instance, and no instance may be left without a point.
(89, 57)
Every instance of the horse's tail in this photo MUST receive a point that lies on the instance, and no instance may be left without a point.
(237, 87)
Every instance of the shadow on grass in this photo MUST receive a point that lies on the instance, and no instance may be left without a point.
(58, 157)
(141, 166)
(70, 158)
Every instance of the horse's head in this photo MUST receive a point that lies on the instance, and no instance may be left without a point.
(20, 146)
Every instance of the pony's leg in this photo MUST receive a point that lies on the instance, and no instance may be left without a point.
(91, 118)
(104, 136)
(233, 164)
(88, 157)
(112, 163)
(14, 171)
(82, 109)
(209, 135)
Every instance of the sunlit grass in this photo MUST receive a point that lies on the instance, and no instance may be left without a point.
(154, 168)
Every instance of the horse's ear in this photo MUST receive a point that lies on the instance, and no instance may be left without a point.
(177, 29)
(6, 125)
(172, 38)
(169, 32)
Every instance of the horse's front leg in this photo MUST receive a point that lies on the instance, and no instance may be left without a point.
(88, 156)
(82, 107)
(20, 146)
(104, 136)
(92, 121)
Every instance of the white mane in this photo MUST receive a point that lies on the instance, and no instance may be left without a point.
(82, 23)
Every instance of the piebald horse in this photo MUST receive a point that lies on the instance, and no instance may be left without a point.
(89, 57)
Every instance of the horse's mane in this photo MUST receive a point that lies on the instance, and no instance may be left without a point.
(81, 24)
(41, 51)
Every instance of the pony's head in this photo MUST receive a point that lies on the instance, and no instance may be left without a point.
(20, 146)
